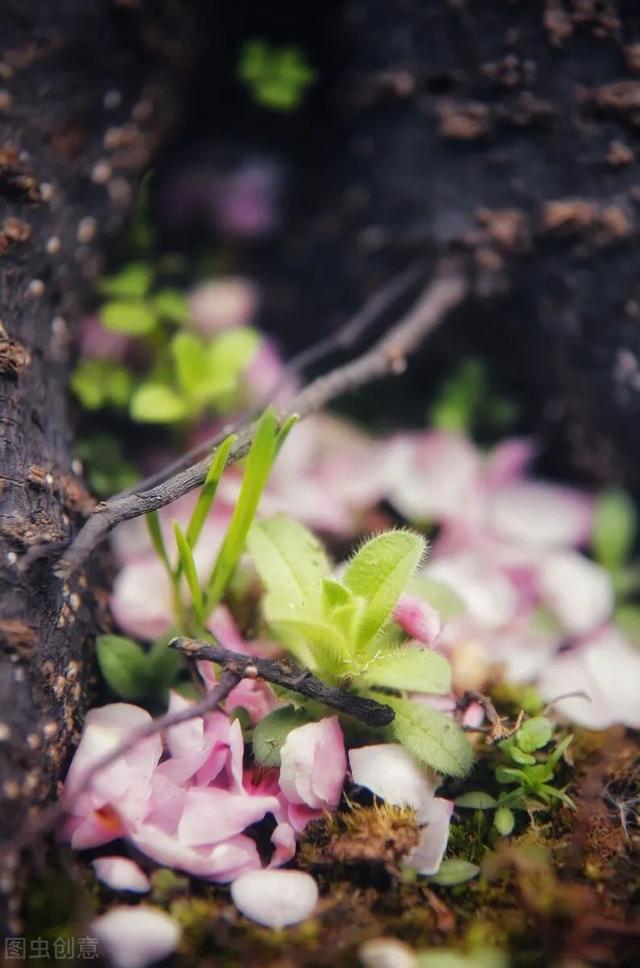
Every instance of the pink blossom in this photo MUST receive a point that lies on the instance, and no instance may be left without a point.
(283, 839)
(121, 874)
(275, 898)
(265, 375)
(223, 304)
(606, 667)
(221, 862)
(327, 475)
(119, 794)
(132, 937)
(313, 764)
(418, 619)
(433, 476)
(539, 514)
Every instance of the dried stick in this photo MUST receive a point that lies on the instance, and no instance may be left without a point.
(342, 339)
(387, 356)
(283, 672)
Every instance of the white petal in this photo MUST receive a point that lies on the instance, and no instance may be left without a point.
(275, 898)
(540, 514)
(389, 771)
(136, 936)
(121, 874)
(578, 591)
(387, 953)
(427, 856)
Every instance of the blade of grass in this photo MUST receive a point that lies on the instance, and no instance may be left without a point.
(152, 520)
(189, 568)
(209, 488)
(259, 462)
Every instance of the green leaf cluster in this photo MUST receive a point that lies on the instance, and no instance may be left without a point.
(342, 629)
(466, 403)
(613, 539)
(528, 771)
(276, 76)
(184, 376)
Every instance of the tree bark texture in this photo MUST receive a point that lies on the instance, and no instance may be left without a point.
(87, 90)
(509, 131)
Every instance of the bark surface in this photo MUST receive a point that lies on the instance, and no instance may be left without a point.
(87, 90)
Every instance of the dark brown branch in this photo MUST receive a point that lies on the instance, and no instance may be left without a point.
(285, 673)
(387, 356)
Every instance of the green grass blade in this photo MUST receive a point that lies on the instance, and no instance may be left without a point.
(188, 566)
(259, 463)
(209, 489)
(152, 520)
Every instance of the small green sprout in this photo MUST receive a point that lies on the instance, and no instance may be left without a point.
(276, 76)
(524, 767)
(342, 629)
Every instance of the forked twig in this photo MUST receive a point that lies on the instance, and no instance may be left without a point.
(285, 673)
(387, 356)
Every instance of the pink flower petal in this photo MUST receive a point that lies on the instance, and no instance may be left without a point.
(508, 461)
(283, 839)
(133, 937)
(313, 764)
(578, 591)
(275, 898)
(211, 815)
(222, 304)
(605, 667)
(418, 619)
(433, 476)
(124, 786)
(389, 771)
(435, 818)
(540, 514)
(121, 874)
(255, 696)
(217, 862)
(141, 598)
(491, 599)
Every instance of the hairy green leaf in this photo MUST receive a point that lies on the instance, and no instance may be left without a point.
(432, 737)
(416, 670)
(379, 573)
(289, 559)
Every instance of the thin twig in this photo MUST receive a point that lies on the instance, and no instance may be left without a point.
(48, 817)
(387, 356)
(342, 339)
(285, 673)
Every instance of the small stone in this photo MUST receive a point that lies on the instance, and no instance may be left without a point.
(36, 288)
(86, 229)
(53, 245)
